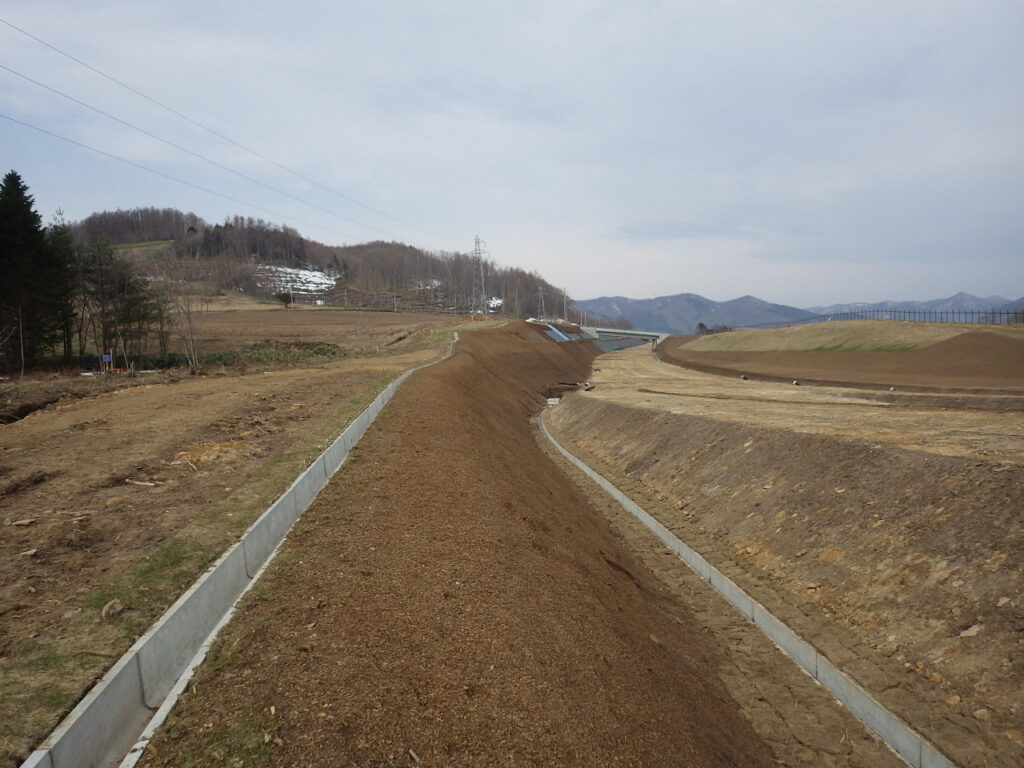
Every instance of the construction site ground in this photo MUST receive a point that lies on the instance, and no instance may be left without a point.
(457, 596)
(453, 598)
(117, 491)
(885, 527)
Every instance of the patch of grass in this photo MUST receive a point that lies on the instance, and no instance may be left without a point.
(279, 353)
(127, 246)
(154, 583)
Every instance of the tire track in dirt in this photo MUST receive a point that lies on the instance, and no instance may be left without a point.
(451, 599)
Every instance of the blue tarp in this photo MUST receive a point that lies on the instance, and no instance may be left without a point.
(556, 334)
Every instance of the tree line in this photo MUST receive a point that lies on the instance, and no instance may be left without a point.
(221, 253)
(64, 298)
(66, 294)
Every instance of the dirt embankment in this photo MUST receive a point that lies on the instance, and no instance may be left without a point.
(451, 600)
(904, 568)
(991, 360)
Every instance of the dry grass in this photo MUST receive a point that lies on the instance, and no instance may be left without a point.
(848, 335)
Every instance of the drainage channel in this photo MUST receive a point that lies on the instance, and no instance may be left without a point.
(900, 737)
(118, 716)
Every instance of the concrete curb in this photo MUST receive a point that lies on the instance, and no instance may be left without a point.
(900, 737)
(105, 725)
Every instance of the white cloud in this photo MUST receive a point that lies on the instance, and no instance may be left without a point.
(802, 152)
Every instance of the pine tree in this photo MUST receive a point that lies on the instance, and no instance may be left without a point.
(34, 279)
(22, 243)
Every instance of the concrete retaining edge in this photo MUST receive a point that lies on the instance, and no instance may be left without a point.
(896, 734)
(109, 720)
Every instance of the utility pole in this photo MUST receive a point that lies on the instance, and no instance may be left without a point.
(478, 300)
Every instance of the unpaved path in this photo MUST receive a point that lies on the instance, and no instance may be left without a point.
(635, 377)
(452, 600)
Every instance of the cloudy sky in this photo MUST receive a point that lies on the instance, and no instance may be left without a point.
(803, 152)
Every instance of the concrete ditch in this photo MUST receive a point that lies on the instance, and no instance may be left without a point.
(902, 739)
(105, 725)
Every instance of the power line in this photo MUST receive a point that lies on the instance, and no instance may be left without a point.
(223, 137)
(134, 164)
(188, 151)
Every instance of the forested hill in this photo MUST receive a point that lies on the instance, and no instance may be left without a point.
(226, 253)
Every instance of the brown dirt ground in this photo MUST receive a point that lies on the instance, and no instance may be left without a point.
(986, 359)
(452, 600)
(800, 722)
(978, 424)
(903, 566)
(124, 489)
(358, 332)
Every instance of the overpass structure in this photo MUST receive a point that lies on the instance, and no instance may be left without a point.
(612, 333)
(611, 339)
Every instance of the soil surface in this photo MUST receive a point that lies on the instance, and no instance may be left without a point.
(116, 492)
(879, 354)
(801, 723)
(888, 534)
(451, 599)
(958, 424)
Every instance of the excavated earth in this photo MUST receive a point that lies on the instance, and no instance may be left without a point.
(453, 598)
(887, 533)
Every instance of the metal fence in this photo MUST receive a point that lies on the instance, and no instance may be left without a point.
(986, 317)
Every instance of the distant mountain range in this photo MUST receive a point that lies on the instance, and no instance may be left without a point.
(961, 302)
(681, 313)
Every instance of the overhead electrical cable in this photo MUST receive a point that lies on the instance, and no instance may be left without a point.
(188, 151)
(200, 187)
(223, 137)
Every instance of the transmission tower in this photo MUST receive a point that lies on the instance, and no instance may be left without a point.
(478, 300)
(541, 312)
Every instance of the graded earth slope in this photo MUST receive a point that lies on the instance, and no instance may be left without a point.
(451, 599)
(886, 533)
(879, 353)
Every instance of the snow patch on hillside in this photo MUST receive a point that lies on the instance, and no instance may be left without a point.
(305, 282)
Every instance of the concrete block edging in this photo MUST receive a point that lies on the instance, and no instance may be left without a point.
(896, 734)
(108, 721)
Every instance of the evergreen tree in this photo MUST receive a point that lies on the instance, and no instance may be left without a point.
(24, 326)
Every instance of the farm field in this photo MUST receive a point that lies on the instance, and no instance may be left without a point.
(884, 527)
(115, 492)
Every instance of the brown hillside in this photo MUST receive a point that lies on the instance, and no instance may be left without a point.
(970, 360)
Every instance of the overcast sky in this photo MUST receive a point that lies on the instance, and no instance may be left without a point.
(803, 152)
